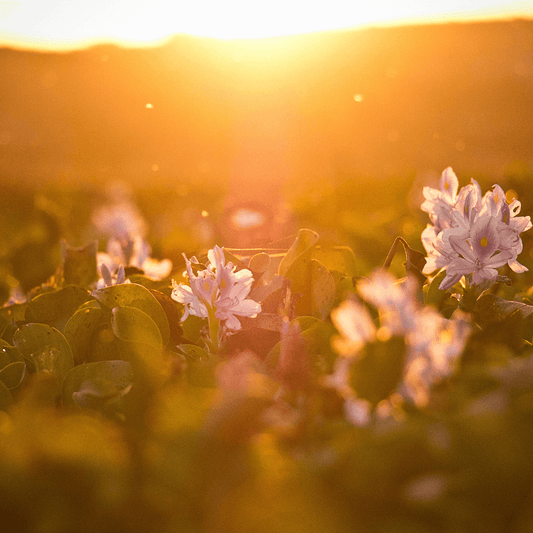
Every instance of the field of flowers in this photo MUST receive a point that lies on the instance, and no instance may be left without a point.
(371, 373)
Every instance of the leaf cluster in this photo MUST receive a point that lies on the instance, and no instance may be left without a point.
(115, 416)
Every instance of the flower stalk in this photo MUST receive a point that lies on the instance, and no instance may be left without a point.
(218, 293)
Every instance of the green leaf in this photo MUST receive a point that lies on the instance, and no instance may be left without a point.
(378, 369)
(201, 365)
(79, 264)
(434, 295)
(103, 380)
(317, 337)
(13, 374)
(315, 285)
(259, 263)
(339, 258)
(14, 312)
(80, 330)
(104, 344)
(8, 354)
(304, 241)
(133, 325)
(133, 295)
(55, 308)
(45, 348)
(344, 286)
(192, 351)
(491, 309)
(173, 315)
(192, 328)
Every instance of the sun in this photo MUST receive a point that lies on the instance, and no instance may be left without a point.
(74, 23)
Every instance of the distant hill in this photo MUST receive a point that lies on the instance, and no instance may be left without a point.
(376, 102)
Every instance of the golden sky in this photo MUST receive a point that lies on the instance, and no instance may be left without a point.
(64, 24)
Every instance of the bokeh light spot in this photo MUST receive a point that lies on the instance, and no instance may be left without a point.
(247, 218)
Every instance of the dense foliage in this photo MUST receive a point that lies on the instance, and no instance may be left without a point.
(287, 389)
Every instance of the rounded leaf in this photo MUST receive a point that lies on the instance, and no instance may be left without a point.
(55, 308)
(109, 378)
(8, 354)
(45, 348)
(133, 325)
(339, 258)
(80, 330)
(13, 374)
(315, 284)
(259, 262)
(134, 295)
(304, 241)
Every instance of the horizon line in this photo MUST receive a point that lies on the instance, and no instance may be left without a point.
(93, 42)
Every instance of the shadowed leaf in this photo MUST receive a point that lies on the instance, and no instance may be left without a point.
(55, 308)
(133, 295)
(132, 325)
(110, 379)
(304, 241)
(45, 348)
(13, 374)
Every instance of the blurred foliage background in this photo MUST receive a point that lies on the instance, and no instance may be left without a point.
(241, 147)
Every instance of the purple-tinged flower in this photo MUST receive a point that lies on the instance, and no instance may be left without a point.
(479, 254)
(471, 235)
(219, 289)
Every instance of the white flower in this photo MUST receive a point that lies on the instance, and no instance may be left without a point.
(479, 253)
(134, 252)
(354, 323)
(122, 222)
(220, 288)
(439, 204)
(471, 235)
(394, 300)
(433, 343)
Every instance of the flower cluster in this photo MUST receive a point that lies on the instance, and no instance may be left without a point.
(433, 344)
(132, 252)
(220, 291)
(470, 234)
(126, 246)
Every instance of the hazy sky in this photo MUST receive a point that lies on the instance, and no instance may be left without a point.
(73, 23)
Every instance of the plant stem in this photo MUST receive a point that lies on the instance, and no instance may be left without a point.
(214, 329)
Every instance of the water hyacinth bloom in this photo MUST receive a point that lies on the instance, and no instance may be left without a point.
(471, 235)
(126, 246)
(220, 291)
(134, 252)
(433, 344)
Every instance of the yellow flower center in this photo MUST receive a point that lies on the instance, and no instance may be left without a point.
(484, 241)
(206, 285)
(223, 284)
